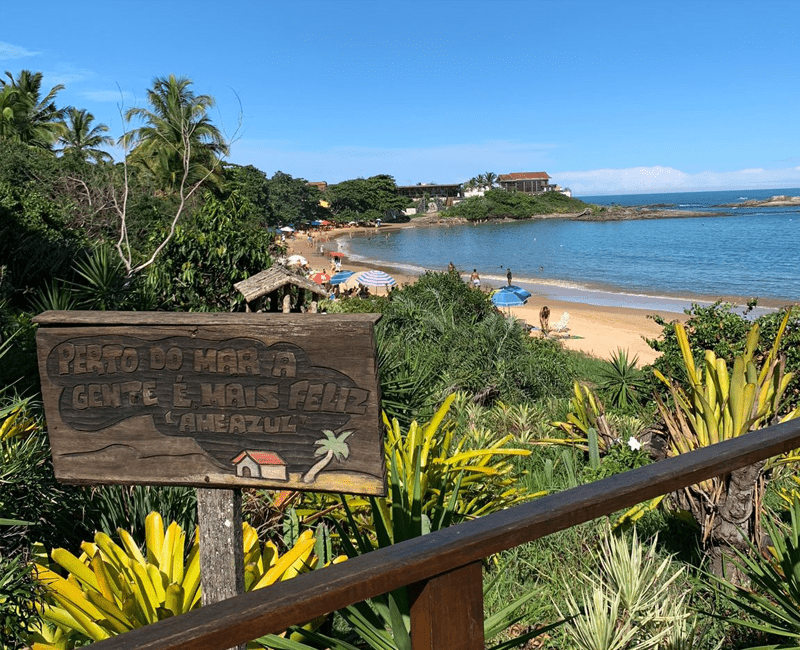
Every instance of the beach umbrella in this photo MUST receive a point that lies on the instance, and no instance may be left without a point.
(297, 259)
(321, 278)
(522, 293)
(506, 298)
(287, 229)
(336, 254)
(341, 276)
(376, 278)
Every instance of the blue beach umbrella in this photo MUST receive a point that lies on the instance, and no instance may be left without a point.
(341, 276)
(522, 293)
(506, 298)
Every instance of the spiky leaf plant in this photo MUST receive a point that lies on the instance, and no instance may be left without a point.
(622, 381)
(772, 594)
(630, 601)
(111, 589)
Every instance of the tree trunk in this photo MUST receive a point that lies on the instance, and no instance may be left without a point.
(735, 522)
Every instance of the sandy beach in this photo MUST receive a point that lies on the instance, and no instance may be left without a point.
(596, 330)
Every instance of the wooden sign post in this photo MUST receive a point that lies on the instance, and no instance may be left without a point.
(286, 401)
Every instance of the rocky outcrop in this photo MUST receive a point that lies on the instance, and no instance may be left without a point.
(779, 201)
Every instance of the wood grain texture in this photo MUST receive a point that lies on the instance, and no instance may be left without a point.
(314, 594)
(285, 401)
(447, 610)
(219, 519)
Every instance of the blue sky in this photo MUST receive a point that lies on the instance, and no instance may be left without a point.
(607, 97)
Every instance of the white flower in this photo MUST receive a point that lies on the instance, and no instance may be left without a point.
(634, 444)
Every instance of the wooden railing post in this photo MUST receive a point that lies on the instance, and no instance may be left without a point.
(447, 610)
(219, 518)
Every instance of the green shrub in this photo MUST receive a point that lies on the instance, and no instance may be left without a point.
(514, 205)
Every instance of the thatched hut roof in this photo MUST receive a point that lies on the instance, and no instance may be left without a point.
(265, 282)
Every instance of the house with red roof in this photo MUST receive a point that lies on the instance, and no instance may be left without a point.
(528, 182)
(261, 464)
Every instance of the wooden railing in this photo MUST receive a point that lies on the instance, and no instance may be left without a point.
(443, 569)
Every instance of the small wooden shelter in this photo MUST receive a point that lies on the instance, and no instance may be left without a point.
(271, 290)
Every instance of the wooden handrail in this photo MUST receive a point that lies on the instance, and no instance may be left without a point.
(271, 610)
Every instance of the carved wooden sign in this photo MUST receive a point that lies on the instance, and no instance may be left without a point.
(214, 400)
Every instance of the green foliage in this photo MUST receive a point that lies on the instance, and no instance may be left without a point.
(178, 144)
(499, 204)
(623, 383)
(292, 200)
(772, 597)
(628, 600)
(617, 459)
(29, 491)
(366, 199)
(209, 253)
(434, 482)
(19, 596)
(719, 329)
(26, 116)
(439, 335)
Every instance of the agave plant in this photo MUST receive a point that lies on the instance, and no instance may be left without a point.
(621, 380)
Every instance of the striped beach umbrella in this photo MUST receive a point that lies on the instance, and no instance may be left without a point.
(376, 278)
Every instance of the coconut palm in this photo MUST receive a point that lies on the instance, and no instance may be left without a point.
(480, 180)
(490, 178)
(81, 139)
(26, 115)
(329, 447)
(178, 143)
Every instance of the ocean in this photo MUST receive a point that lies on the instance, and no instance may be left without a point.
(662, 264)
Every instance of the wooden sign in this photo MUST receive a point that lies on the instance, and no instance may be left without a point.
(286, 401)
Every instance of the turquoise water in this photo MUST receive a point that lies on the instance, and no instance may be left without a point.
(661, 263)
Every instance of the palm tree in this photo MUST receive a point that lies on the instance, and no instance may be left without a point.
(330, 447)
(490, 179)
(26, 116)
(480, 180)
(178, 143)
(81, 139)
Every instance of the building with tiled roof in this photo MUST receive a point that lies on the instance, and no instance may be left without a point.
(528, 182)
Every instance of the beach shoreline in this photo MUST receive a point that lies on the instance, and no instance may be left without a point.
(597, 330)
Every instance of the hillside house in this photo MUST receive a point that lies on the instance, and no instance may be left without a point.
(528, 182)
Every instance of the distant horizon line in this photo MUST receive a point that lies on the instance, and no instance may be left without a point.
(693, 191)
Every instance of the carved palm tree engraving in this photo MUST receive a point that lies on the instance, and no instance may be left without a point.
(329, 447)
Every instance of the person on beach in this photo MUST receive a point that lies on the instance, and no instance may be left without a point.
(508, 275)
(451, 268)
(476, 279)
(544, 320)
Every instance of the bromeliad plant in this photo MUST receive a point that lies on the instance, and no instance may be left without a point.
(111, 589)
(719, 404)
(383, 623)
(479, 476)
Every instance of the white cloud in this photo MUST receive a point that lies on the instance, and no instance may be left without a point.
(9, 51)
(646, 180)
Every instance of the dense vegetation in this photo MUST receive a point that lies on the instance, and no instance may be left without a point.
(480, 415)
(499, 204)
